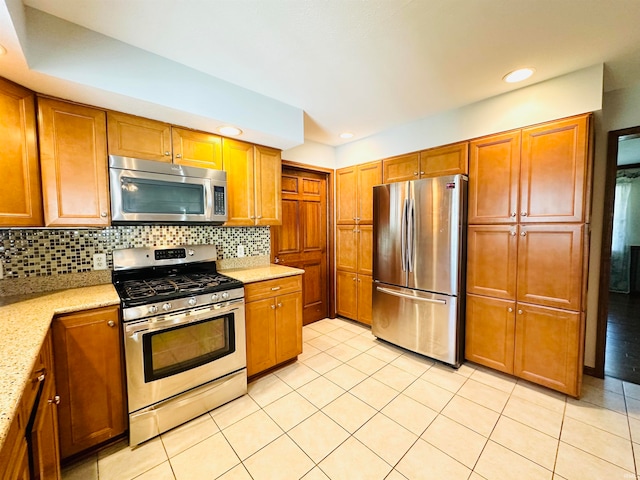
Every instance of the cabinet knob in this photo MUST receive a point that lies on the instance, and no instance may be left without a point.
(523, 234)
(415, 173)
(279, 305)
(259, 217)
(513, 214)
(509, 309)
(523, 214)
(354, 279)
(41, 377)
(111, 323)
(519, 312)
(167, 153)
(421, 172)
(178, 155)
(103, 214)
(273, 307)
(252, 217)
(512, 233)
(55, 400)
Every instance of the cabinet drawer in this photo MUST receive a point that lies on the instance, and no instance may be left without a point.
(271, 288)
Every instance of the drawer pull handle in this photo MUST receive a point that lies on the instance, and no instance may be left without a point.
(55, 400)
(273, 289)
(41, 377)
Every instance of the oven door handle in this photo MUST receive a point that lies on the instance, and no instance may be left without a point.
(176, 320)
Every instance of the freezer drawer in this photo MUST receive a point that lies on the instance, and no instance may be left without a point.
(422, 322)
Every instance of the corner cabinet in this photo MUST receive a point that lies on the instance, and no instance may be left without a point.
(20, 197)
(73, 162)
(90, 376)
(254, 175)
(273, 312)
(529, 197)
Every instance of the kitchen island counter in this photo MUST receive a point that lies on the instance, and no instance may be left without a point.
(24, 323)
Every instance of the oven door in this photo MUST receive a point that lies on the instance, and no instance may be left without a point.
(173, 353)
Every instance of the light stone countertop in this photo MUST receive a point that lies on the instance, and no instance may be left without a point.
(258, 274)
(24, 323)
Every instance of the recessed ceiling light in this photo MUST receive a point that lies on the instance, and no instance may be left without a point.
(518, 75)
(3, 50)
(229, 130)
(346, 135)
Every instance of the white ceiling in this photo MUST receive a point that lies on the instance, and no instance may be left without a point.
(368, 65)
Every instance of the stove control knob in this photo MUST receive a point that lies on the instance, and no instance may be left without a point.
(192, 301)
(191, 252)
(225, 295)
(166, 307)
(153, 309)
(214, 297)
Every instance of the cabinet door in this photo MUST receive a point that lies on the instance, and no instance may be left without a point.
(131, 136)
(288, 326)
(347, 195)
(550, 265)
(73, 160)
(90, 378)
(260, 317)
(238, 163)
(196, 149)
(369, 175)
(401, 168)
(365, 249)
(548, 347)
(492, 260)
(553, 184)
(347, 294)
(20, 197)
(268, 177)
(347, 248)
(365, 299)
(494, 171)
(490, 332)
(44, 436)
(446, 160)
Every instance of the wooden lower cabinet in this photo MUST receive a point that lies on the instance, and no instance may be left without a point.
(44, 436)
(353, 296)
(14, 457)
(273, 317)
(89, 372)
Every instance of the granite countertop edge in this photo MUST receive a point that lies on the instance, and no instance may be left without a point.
(261, 273)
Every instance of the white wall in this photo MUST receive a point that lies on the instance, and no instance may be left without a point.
(312, 153)
(571, 94)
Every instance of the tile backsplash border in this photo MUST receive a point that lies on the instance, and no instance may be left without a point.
(45, 252)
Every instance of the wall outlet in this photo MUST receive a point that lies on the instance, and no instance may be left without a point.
(1, 271)
(100, 261)
(240, 251)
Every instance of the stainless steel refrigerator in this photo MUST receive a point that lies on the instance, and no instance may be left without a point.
(419, 235)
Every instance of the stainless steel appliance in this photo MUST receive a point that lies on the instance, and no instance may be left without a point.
(145, 191)
(184, 335)
(418, 265)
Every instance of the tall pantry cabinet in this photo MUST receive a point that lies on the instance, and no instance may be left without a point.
(528, 240)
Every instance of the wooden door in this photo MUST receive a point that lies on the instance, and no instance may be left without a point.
(550, 265)
(238, 163)
(445, 160)
(137, 137)
(347, 294)
(347, 248)
(346, 195)
(196, 149)
(365, 249)
(492, 260)
(490, 332)
(288, 326)
(302, 239)
(260, 320)
(494, 171)
(554, 174)
(365, 299)
(369, 175)
(401, 168)
(89, 373)
(20, 195)
(548, 347)
(268, 166)
(73, 161)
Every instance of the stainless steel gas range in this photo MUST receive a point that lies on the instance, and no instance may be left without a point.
(184, 335)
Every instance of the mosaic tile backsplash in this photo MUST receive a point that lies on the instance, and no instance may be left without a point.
(44, 252)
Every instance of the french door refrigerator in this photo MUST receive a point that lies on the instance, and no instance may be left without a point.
(419, 235)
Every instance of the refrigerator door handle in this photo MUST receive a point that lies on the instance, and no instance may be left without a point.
(411, 297)
(411, 224)
(403, 234)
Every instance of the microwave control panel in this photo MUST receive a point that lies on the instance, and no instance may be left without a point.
(219, 201)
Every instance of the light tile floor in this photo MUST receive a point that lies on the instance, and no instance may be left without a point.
(353, 407)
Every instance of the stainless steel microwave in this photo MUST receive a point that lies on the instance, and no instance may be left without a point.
(144, 191)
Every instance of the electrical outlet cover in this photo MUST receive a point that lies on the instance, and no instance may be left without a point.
(100, 261)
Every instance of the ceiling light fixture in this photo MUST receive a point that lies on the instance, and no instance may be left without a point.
(229, 130)
(3, 50)
(346, 135)
(518, 75)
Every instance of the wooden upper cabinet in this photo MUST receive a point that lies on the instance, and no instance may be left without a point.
(553, 174)
(401, 168)
(268, 192)
(354, 191)
(20, 197)
(446, 160)
(494, 171)
(347, 195)
(369, 175)
(238, 163)
(73, 162)
(137, 137)
(196, 149)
